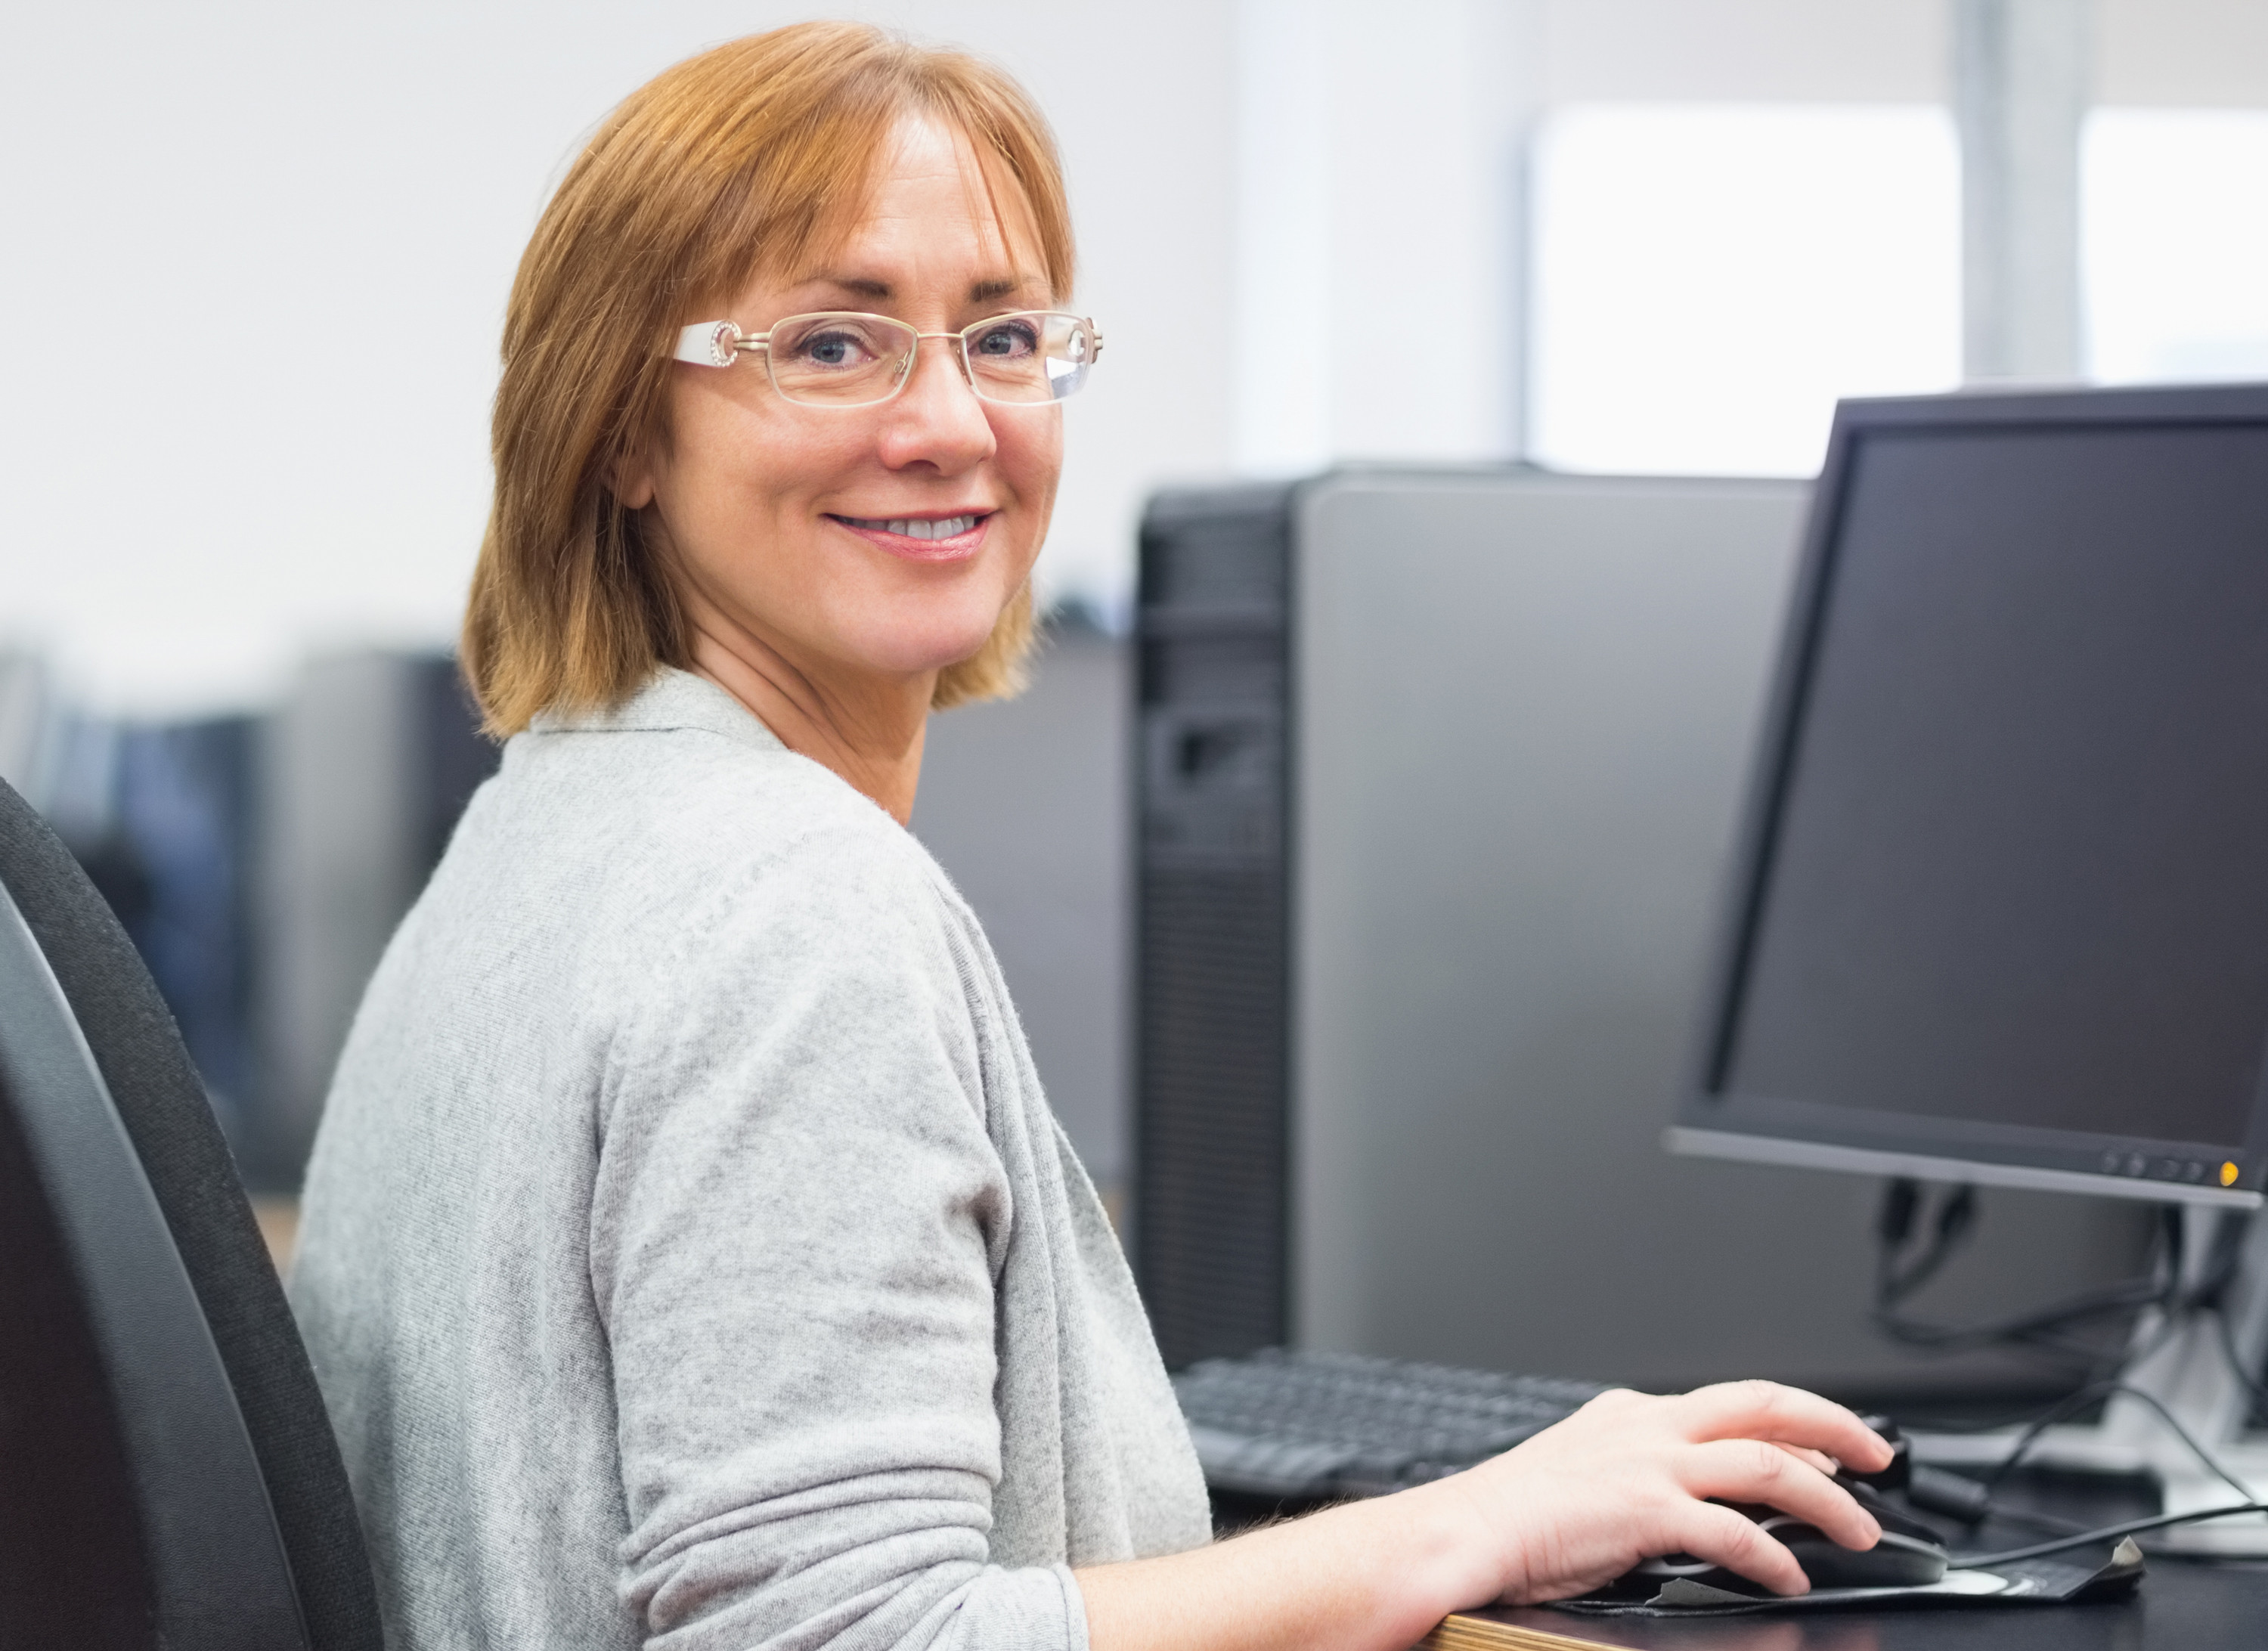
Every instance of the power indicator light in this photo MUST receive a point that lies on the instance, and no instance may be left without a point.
(2228, 1175)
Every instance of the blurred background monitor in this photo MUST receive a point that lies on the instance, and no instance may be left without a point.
(259, 859)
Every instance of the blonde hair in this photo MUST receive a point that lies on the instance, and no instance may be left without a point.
(738, 159)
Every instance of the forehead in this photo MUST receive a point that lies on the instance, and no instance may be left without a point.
(930, 193)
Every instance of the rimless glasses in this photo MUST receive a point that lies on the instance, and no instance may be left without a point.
(842, 359)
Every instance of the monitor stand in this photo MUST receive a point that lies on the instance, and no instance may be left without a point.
(2186, 1371)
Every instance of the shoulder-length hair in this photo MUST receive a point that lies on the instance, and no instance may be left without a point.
(740, 159)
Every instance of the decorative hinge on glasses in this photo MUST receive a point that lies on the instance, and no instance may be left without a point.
(708, 344)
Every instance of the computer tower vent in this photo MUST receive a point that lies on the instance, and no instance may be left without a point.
(1212, 1169)
(1212, 1172)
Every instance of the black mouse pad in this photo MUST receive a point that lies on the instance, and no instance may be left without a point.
(2033, 1582)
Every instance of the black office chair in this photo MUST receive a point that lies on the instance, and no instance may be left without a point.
(167, 1474)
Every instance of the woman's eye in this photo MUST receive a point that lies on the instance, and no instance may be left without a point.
(1007, 340)
(835, 344)
(833, 349)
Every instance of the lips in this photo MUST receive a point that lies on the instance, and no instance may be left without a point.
(922, 538)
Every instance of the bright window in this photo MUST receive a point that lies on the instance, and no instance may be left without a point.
(1709, 279)
(2175, 222)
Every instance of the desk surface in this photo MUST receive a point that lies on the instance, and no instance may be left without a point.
(2182, 1603)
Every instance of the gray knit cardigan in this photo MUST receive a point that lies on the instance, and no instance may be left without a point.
(690, 1258)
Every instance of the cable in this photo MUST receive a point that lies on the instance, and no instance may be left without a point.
(1956, 1218)
(2035, 1329)
(1957, 1215)
(2228, 1338)
(2163, 1290)
(2206, 1297)
(2107, 1390)
(2060, 1410)
(2107, 1533)
(1973, 1503)
(2045, 1521)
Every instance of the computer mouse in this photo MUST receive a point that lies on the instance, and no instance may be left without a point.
(1901, 1559)
(1897, 1560)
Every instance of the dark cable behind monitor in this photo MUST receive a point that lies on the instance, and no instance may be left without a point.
(1896, 1278)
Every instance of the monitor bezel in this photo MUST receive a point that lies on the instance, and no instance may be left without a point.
(1713, 1123)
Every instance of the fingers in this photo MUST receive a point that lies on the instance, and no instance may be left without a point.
(1817, 1459)
(1631, 1474)
(1785, 1415)
(1750, 1470)
(1736, 1542)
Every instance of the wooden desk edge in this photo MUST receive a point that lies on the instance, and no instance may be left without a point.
(1478, 1633)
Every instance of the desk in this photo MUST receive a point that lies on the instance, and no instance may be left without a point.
(2182, 1604)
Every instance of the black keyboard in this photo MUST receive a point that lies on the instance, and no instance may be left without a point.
(1313, 1425)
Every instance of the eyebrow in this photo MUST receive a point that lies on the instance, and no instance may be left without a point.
(866, 287)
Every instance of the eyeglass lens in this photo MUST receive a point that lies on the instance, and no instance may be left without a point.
(843, 359)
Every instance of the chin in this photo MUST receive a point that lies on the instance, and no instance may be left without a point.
(930, 641)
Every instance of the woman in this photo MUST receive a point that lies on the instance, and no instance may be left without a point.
(690, 1258)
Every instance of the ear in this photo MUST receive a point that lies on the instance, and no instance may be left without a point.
(631, 481)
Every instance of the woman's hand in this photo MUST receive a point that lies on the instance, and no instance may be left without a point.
(1625, 1479)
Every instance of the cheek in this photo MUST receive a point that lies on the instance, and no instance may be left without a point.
(1031, 456)
(739, 472)
(1041, 441)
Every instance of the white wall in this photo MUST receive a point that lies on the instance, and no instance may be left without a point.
(2198, 54)
(258, 254)
(1378, 250)
(1745, 51)
(2207, 53)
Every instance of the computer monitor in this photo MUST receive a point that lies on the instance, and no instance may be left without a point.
(2002, 911)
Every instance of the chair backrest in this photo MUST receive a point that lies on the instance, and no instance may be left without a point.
(167, 1473)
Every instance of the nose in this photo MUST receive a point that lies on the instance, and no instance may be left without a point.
(936, 419)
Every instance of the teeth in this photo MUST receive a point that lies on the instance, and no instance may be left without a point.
(911, 528)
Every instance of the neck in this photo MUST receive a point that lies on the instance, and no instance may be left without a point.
(868, 730)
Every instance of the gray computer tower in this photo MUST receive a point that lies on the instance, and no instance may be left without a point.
(1437, 774)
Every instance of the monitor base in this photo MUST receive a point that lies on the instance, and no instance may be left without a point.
(2186, 1368)
(2181, 1487)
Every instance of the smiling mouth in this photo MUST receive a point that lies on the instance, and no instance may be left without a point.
(916, 527)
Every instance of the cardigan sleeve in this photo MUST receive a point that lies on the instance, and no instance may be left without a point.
(797, 1229)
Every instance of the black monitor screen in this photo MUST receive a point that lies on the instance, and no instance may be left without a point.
(2014, 875)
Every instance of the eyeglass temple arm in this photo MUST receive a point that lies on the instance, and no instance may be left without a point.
(709, 344)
